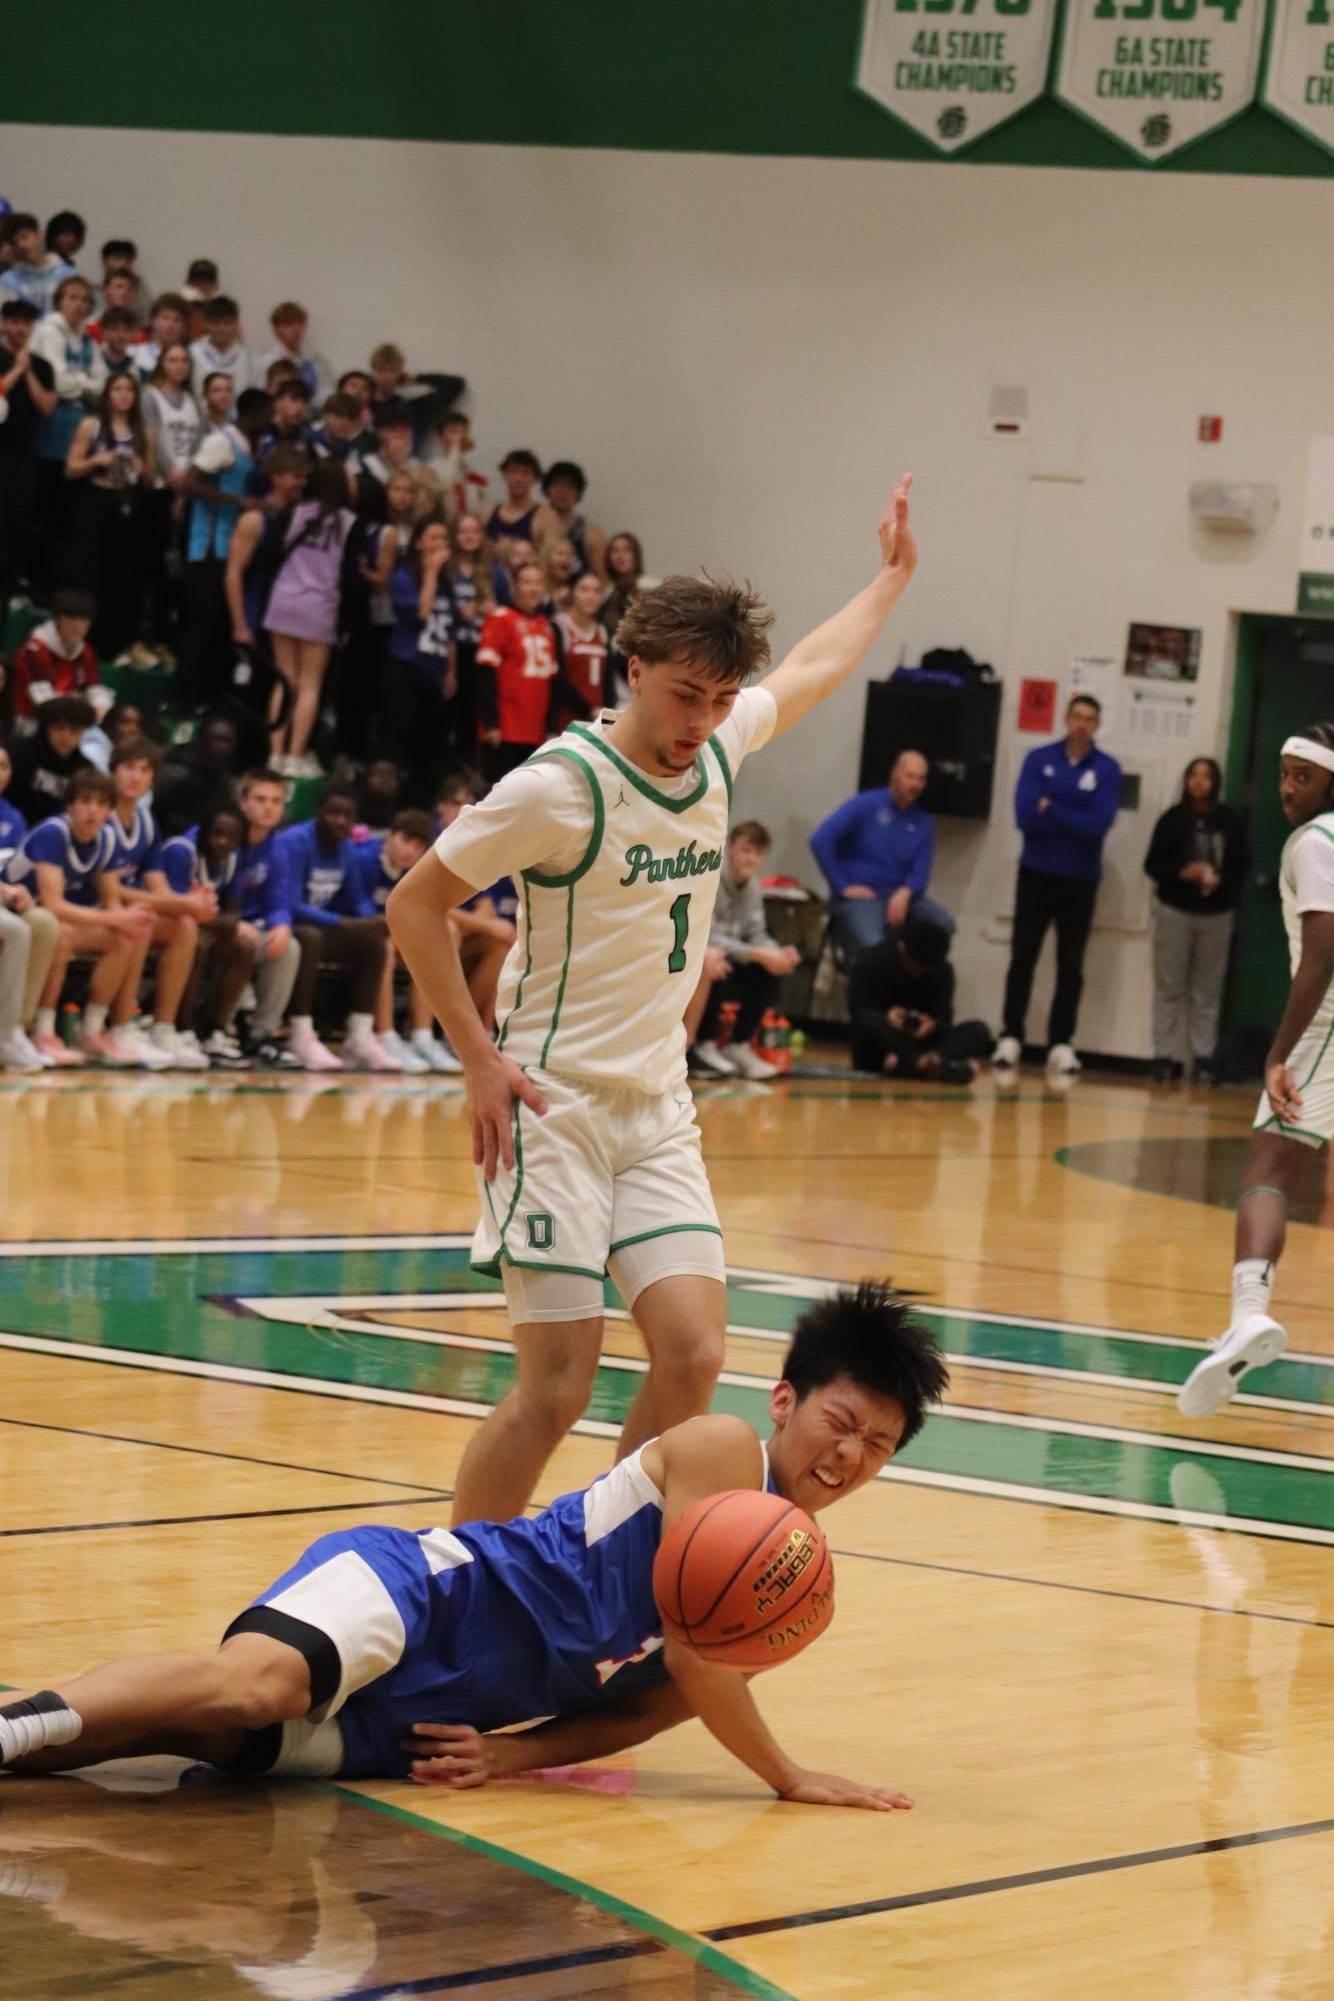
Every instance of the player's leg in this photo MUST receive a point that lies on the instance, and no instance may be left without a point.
(683, 1319)
(1171, 945)
(44, 934)
(148, 1703)
(363, 949)
(177, 940)
(275, 979)
(555, 1363)
(1213, 942)
(119, 960)
(15, 951)
(312, 659)
(316, 943)
(287, 660)
(1032, 914)
(1074, 920)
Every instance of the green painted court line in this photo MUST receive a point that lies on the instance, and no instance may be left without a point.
(686, 1943)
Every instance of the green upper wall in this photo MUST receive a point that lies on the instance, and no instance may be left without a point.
(719, 76)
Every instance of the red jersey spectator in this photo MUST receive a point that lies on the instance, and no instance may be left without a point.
(520, 682)
(56, 659)
(584, 641)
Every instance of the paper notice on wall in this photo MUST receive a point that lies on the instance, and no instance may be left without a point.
(1159, 712)
(1093, 674)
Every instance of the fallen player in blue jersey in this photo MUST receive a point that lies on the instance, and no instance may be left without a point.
(387, 1652)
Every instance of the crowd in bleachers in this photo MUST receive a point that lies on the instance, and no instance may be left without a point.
(227, 573)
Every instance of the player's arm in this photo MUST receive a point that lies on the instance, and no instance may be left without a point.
(825, 659)
(1310, 984)
(157, 895)
(454, 1754)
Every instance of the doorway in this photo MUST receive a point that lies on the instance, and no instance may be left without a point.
(1285, 678)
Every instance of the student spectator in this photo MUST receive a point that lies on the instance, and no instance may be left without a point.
(112, 458)
(264, 904)
(122, 721)
(118, 296)
(340, 434)
(207, 857)
(56, 658)
(357, 384)
(464, 489)
(291, 323)
(560, 567)
(520, 517)
(65, 863)
(1064, 803)
(584, 642)
(420, 671)
(379, 798)
(901, 997)
(33, 272)
(215, 483)
(336, 926)
(1197, 858)
(115, 337)
(280, 371)
(291, 418)
(511, 556)
(120, 259)
(28, 939)
(743, 963)
(520, 684)
(394, 446)
(429, 396)
(875, 851)
(168, 324)
(625, 571)
(46, 761)
(564, 485)
(302, 613)
(175, 919)
(76, 362)
(27, 395)
(383, 861)
(202, 283)
(219, 350)
(175, 427)
(255, 552)
(66, 234)
(198, 776)
(468, 574)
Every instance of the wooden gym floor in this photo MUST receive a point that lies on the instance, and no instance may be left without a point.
(1094, 1640)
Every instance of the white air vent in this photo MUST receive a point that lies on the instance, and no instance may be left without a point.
(1007, 412)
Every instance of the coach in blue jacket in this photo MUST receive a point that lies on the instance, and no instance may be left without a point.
(875, 852)
(1064, 803)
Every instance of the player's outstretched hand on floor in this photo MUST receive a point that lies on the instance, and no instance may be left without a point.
(493, 1085)
(827, 1789)
(452, 1754)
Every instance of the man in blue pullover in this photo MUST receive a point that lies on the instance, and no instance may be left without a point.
(336, 925)
(259, 888)
(1064, 804)
(875, 851)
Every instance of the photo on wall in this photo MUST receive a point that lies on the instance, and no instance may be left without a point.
(1163, 652)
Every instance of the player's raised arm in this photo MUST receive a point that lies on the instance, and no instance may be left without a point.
(826, 657)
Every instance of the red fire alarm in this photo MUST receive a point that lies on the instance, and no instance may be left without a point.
(1211, 430)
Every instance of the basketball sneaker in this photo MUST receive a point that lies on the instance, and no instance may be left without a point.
(365, 1051)
(180, 1054)
(437, 1052)
(747, 1062)
(1006, 1054)
(17, 1053)
(708, 1059)
(57, 1054)
(409, 1060)
(224, 1051)
(1062, 1060)
(1253, 1341)
(310, 1052)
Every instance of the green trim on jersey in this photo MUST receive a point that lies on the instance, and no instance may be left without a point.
(527, 966)
(641, 784)
(541, 1264)
(518, 1179)
(535, 876)
(564, 976)
(667, 1230)
(725, 768)
(1275, 1124)
(1324, 1047)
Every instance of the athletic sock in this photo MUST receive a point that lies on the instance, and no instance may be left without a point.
(94, 1018)
(303, 1024)
(45, 1023)
(34, 1722)
(422, 1038)
(359, 1025)
(1252, 1281)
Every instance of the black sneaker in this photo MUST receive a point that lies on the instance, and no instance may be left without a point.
(1204, 1070)
(271, 1054)
(224, 1052)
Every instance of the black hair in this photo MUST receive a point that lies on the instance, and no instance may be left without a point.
(925, 943)
(1088, 701)
(353, 375)
(203, 271)
(292, 385)
(64, 223)
(119, 316)
(1215, 779)
(253, 403)
(337, 788)
(71, 602)
(869, 1334)
(19, 309)
(70, 709)
(395, 413)
(20, 219)
(120, 246)
(222, 809)
(522, 458)
(1319, 733)
(565, 469)
(220, 307)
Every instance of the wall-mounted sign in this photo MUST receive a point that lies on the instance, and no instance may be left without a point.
(1159, 74)
(1299, 77)
(1315, 577)
(954, 69)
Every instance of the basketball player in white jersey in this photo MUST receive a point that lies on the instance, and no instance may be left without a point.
(1297, 1107)
(583, 1126)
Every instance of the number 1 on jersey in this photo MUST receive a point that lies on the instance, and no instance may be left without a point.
(680, 916)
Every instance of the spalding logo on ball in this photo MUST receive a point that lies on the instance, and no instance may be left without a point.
(744, 1579)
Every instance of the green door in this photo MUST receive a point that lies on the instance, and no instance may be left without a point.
(1285, 678)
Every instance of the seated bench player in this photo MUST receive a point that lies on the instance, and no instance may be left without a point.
(176, 916)
(336, 925)
(208, 857)
(264, 903)
(66, 863)
(384, 1653)
(384, 858)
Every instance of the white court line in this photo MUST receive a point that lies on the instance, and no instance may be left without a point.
(595, 1428)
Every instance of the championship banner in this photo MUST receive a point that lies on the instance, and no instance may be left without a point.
(1159, 74)
(955, 69)
(1299, 78)
(1315, 575)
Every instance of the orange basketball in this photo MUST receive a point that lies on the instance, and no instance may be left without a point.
(745, 1579)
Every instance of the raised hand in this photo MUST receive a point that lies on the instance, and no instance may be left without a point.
(898, 545)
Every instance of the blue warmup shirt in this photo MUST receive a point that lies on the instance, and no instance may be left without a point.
(262, 888)
(135, 846)
(870, 839)
(424, 646)
(81, 861)
(326, 883)
(377, 878)
(502, 1622)
(13, 828)
(1066, 837)
(185, 868)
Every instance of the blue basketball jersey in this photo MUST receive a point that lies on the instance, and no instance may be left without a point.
(186, 868)
(82, 862)
(135, 846)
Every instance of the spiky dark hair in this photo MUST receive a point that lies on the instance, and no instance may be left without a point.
(869, 1333)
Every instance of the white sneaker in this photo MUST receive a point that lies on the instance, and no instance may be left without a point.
(139, 1049)
(1007, 1053)
(410, 1061)
(747, 1062)
(17, 1053)
(1255, 1340)
(1062, 1059)
(163, 1037)
(311, 1053)
(224, 1051)
(436, 1052)
(709, 1058)
(367, 1052)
